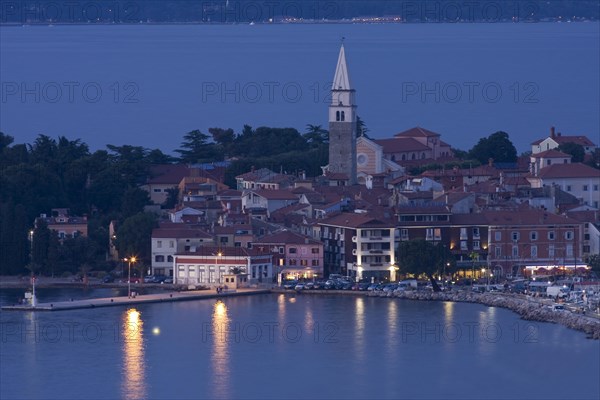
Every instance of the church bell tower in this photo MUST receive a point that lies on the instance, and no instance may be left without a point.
(342, 122)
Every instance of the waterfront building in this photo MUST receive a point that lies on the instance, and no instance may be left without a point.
(208, 265)
(172, 238)
(359, 246)
(294, 255)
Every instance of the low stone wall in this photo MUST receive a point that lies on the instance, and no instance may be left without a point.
(528, 310)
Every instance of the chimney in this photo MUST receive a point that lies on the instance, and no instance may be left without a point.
(491, 162)
(552, 132)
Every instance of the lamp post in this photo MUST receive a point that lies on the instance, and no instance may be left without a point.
(129, 261)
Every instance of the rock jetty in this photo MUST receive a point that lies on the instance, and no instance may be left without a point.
(527, 309)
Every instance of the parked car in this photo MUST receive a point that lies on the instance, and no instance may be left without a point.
(168, 279)
(108, 279)
(299, 286)
(290, 284)
(149, 279)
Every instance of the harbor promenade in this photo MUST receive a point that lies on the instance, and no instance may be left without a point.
(134, 300)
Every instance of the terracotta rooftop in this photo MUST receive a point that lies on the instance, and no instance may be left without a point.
(276, 194)
(352, 220)
(573, 170)
(287, 237)
(552, 153)
(401, 144)
(417, 132)
(165, 174)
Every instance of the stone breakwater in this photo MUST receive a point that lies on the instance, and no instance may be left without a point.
(528, 310)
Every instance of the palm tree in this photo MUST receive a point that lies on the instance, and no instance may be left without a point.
(315, 135)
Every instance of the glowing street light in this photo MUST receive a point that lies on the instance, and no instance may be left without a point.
(129, 261)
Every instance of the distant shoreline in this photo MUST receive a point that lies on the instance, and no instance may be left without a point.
(305, 22)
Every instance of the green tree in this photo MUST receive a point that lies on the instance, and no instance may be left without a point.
(576, 151)
(315, 135)
(497, 147)
(196, 148)
(419, 256)
(594, 262)
(361, 127)
(134, 236)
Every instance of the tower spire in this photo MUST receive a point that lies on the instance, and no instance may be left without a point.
(341, 79)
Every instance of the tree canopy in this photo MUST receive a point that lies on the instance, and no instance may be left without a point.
(497, 146)
(419, 256)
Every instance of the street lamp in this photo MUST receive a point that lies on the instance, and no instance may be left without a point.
(129, 261)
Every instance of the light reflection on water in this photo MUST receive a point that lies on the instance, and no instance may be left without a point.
(134, 363)
(221, 378)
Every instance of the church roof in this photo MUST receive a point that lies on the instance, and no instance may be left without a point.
(417, 132)
(341, 80)
(399, 145)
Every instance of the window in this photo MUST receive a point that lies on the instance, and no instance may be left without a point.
(429, 234)
(585, 188)
(548, 162)
(515, 251)
(159, 258)
(498, 236)
(463, 234)
(237, 244)
(304, 263)
(437, 234)
(315, 250)
(315, 263)
(404, 234)
(463, 245)
(595, 188)
(476, 244)
(551, 250)
(515, 236)
(475, 232)
(170, 259)
(157, 190)
(586, 236)
(551, 235)
(568, 188)
(292, 261)
(171, 243)
(292, 250)
(533, 251)
(159, 243)
(569, 235)
(569, 250)
(533, 235)
(498, 252)
(224, 239)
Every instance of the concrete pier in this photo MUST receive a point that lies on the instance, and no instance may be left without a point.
(139, 299)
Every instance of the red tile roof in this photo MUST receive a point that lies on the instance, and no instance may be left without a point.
(582, 140)
(351, 220)
(286, 237)
(552, 153)
(417, 132)
(574, 170)
(276, 194)
(401, 144)
(165, 174)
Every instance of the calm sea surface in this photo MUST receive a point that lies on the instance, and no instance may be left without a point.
(148, 85)
(291, 346)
